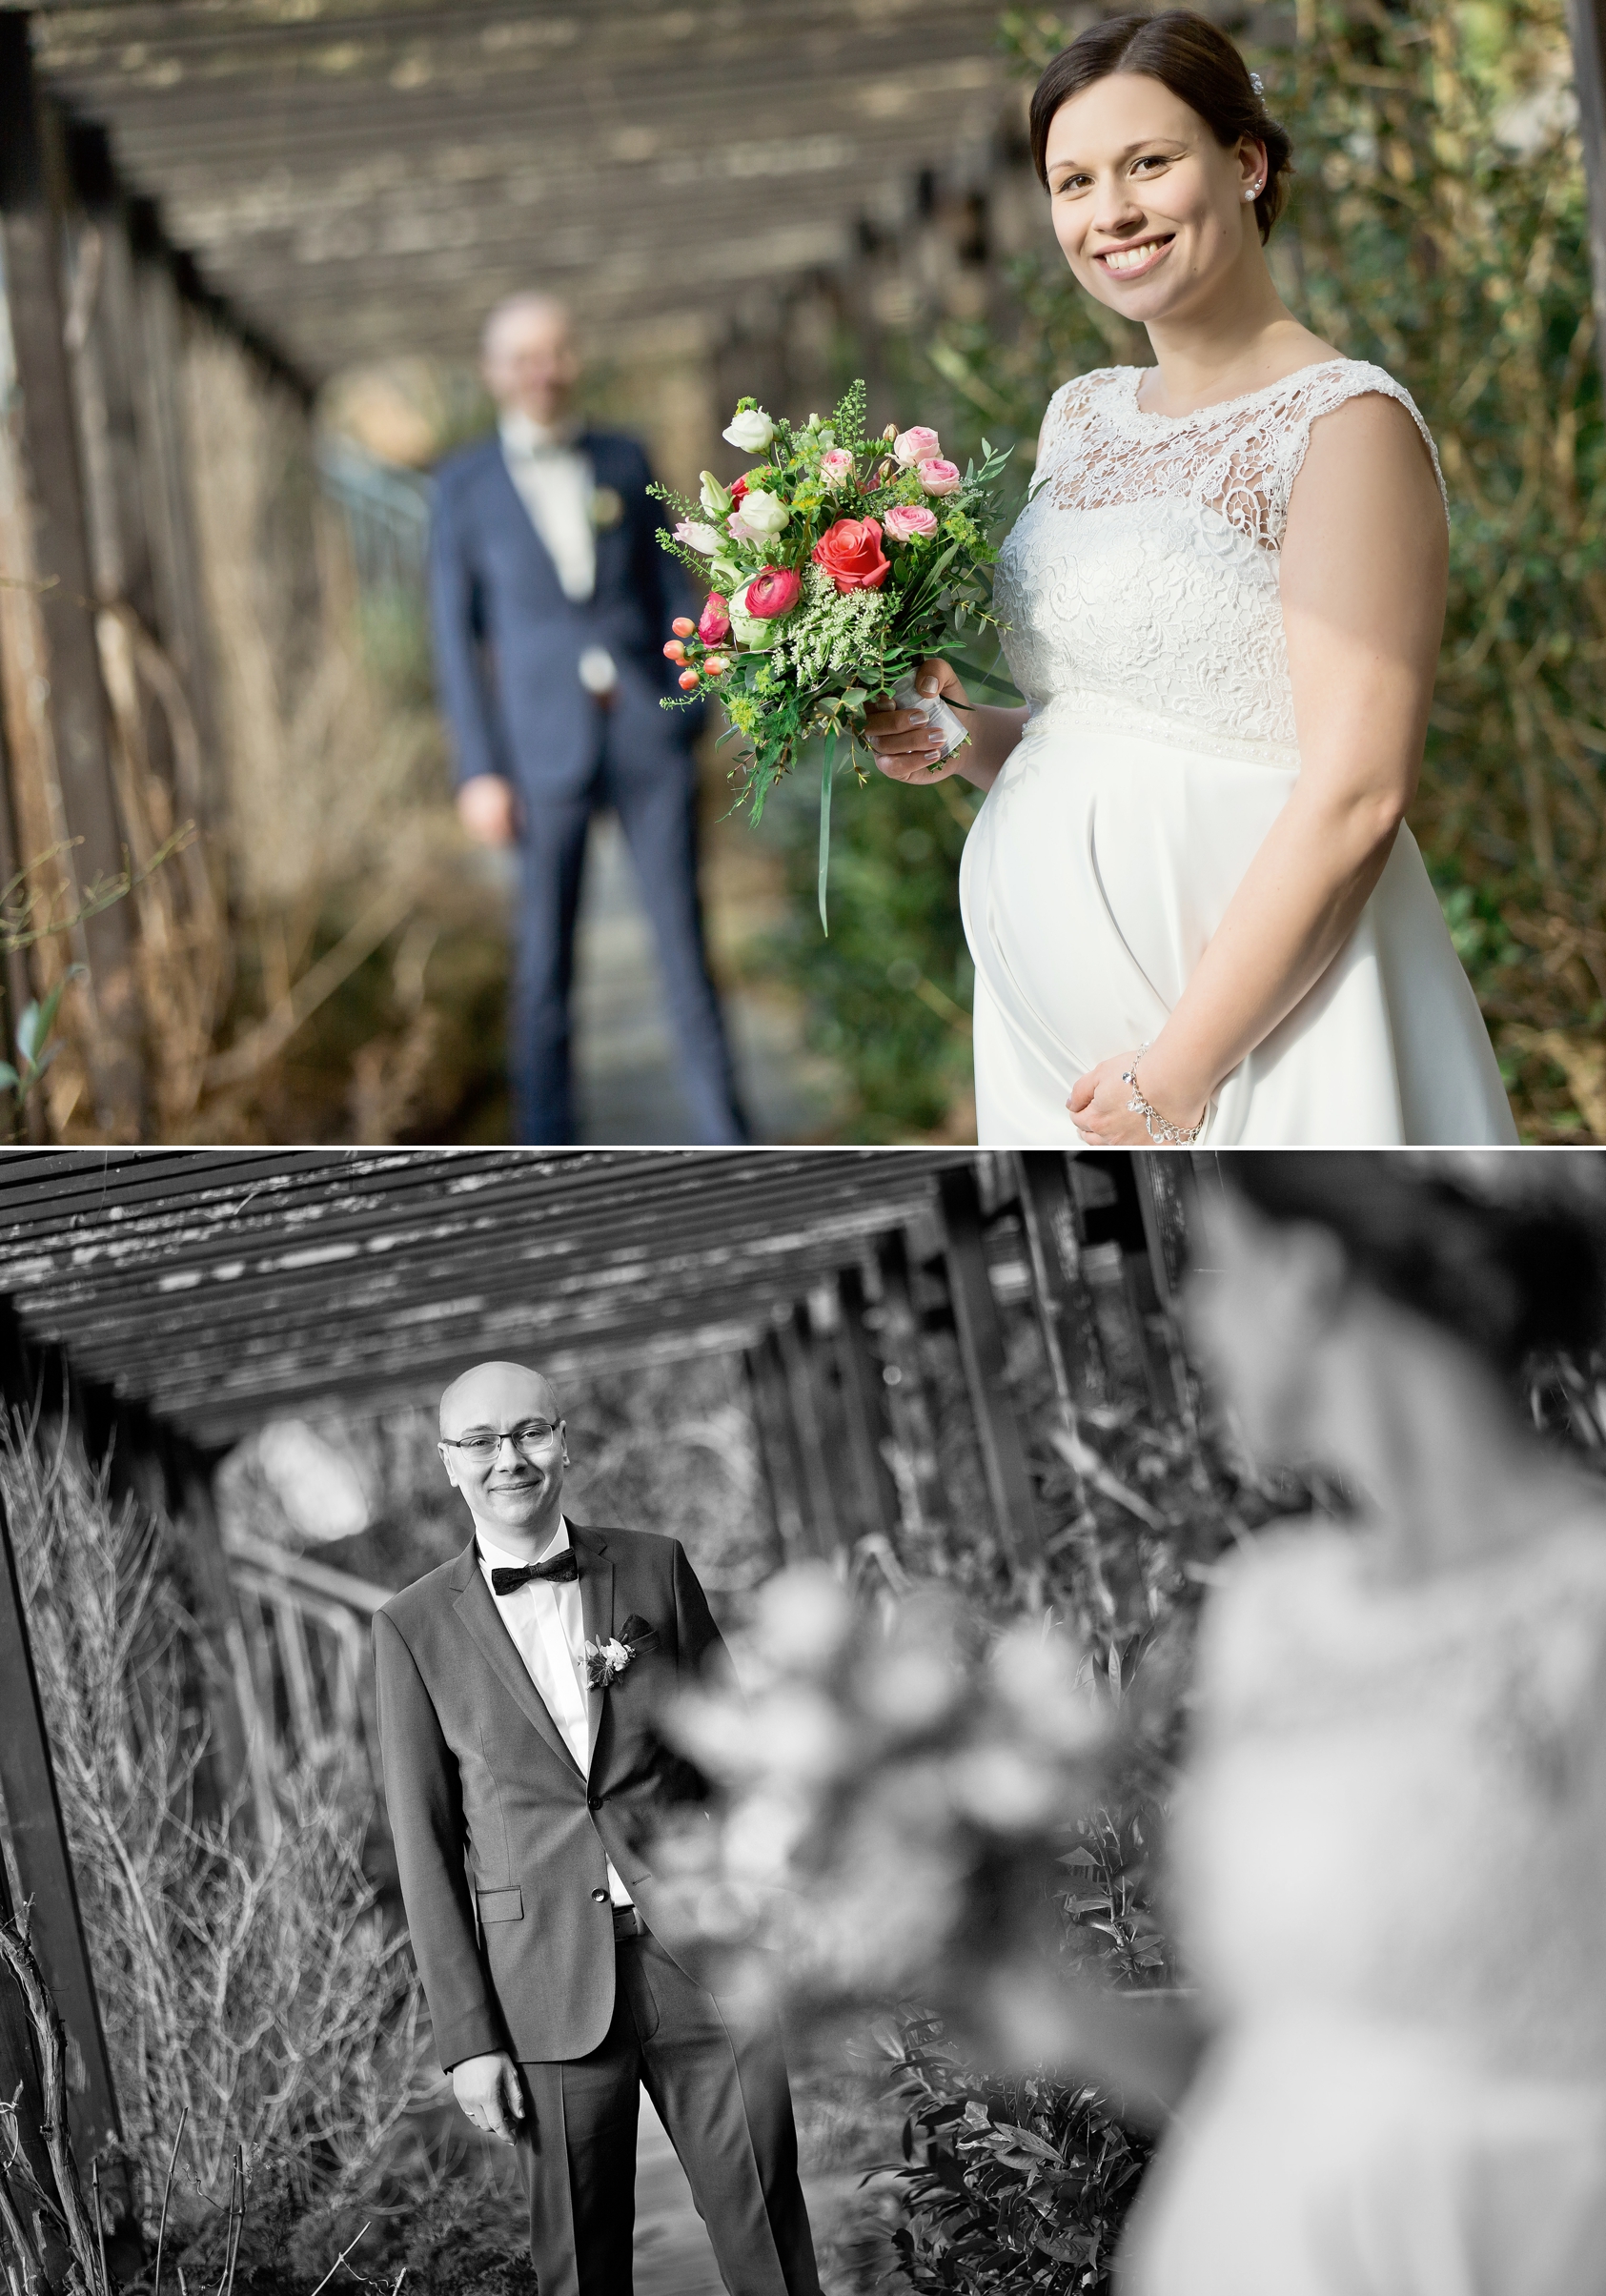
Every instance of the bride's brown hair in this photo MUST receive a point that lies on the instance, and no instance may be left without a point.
(1199, 64)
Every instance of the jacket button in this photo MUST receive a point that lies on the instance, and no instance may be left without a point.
(595, 1802)
(601, 1895)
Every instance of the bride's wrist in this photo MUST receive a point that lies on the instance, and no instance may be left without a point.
(1172, 1089)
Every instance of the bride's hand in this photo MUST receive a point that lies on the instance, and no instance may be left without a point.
(1101, 1111)
(903, 744)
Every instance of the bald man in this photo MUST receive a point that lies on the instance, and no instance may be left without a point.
(524, 1797)
(551, 602)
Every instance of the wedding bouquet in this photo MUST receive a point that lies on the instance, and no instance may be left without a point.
(835, 565)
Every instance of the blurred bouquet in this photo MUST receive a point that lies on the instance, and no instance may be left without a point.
(902, 1794)
(837, 565)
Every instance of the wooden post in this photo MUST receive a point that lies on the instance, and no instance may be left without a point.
(797, 1361)
(44, 1870)
(921, 1492)
(980, 1347)
(864, 1412)
(772, 1416)
(56, 722)
(1065, 1304)
(19, 2079)
(239, 1734)
(1586, 21)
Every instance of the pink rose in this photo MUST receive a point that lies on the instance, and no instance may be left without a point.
(940, 478)
(851, 554)
(918, 445)
(714, 624)
(836, 466)
(906, 519)
(774, 592)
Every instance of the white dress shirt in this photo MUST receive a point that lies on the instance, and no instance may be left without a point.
(555, 484)
(546, 1621)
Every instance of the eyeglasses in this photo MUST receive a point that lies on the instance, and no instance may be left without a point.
(482, 1444)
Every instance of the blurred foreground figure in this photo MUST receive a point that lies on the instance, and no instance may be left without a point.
(550, 602)
(1387, 1854)
(519, 1689)
(1389, 1864)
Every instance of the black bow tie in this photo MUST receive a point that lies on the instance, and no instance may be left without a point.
(558, 1566)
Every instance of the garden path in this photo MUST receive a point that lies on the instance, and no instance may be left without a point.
(625, 1056)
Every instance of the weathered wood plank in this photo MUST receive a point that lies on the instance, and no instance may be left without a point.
(57, 730)
(1010, 1492)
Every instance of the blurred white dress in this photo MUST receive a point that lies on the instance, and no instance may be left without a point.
(1141, 587)
(1390, 1866)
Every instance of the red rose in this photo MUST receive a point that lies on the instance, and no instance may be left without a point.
(851, 554)
(774, 592)
(738, 487)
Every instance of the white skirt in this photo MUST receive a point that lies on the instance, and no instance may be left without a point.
(1323, 2156)
(1094, 874)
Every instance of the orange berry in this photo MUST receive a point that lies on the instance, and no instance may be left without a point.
(716, 665)
(673, 650)
(688, 679)
(682, 626)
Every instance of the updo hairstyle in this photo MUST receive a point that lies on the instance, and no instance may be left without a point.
(1510, 1277)
(1188, 54)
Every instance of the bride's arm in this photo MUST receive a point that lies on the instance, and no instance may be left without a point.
(1365, 565)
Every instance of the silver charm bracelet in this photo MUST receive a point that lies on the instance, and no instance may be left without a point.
(1160, 1129)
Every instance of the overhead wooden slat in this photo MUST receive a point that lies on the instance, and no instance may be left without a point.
(355, 176)
(215, 1288)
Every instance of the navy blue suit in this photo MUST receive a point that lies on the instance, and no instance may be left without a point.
(508, 644)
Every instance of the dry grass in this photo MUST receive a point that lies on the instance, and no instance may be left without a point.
(247, 1989)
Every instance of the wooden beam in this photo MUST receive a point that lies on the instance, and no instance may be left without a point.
(823, 1526)
(57, 725)
(239, 1736)
(1064, 1303)
(863, 1391)
(778, 1448)
(44, 1870)
(1586, 22)
(1010, 1491)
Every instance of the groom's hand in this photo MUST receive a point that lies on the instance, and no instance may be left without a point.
(487, 2089)
(488, 810)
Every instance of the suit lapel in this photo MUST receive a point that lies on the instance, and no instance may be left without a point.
(613, 542)
(474, 1605)
(596, 1606)
(516, 507)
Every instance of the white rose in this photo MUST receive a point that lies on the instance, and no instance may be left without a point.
(697, 537)
(764, 514)
(750, 432)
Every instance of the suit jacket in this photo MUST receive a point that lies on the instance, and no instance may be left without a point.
(508, 641)
(501, 1842)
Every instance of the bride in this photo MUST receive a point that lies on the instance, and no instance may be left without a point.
(1195, 908)
(1389, 1862)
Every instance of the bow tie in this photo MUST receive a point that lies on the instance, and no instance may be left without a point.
(558, 1566)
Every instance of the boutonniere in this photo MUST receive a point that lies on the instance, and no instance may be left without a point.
(607, 507)
(606, 1660)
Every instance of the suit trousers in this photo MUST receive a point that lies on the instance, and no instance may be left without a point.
(655, 801)
(722, 2093)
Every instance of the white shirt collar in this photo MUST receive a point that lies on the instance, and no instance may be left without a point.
(495, 1557)
(523, 435)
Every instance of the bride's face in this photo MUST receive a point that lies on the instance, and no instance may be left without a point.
(1148, 207)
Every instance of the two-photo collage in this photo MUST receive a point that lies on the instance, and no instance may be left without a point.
(803, 1214)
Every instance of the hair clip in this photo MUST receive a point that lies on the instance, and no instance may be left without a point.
(1257, 83)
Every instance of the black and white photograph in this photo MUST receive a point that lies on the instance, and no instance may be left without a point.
(732, 1719)
(802, 1148)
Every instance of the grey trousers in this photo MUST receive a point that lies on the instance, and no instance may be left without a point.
(723, 2095)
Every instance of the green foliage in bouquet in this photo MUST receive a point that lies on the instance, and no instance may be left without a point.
(838, 563)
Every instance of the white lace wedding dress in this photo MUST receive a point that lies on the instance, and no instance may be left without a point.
(1389, 1872)
(1141, 587)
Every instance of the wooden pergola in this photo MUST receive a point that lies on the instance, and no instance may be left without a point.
(167, 1303)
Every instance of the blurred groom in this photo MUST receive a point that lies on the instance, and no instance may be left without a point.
(551, 600)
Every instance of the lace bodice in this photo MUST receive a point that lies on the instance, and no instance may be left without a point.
(1139, 585)
(1396, 1806)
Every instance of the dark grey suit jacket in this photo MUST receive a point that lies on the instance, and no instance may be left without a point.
(500, 1839)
